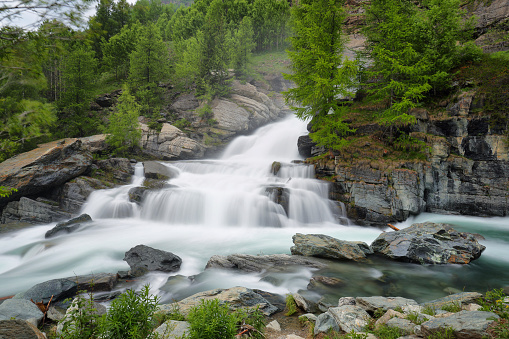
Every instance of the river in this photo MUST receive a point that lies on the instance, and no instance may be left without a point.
(221, 206)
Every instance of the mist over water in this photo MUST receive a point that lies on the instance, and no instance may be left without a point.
(227, 206)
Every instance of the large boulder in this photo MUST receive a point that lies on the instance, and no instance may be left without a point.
(235, 298)
(371, 304)
(143, 259)
(56, 290)
(324, 246)
(10, 329)
(465, 324)
(32, 211)
(429, 243)
(20, 309)
(259, 263)
(350, 318)
(68, 226)
(454, 299)
(156, 170)
(47, 166)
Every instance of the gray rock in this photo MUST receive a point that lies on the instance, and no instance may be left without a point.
(68, 226)
(346, 301)
(371, 304)
(405, 326)
(324, 246)
(429, 243)
(350, 318)
(465, 324)
(116, 170)
(309, 317)
(95, 143)
(325, 323)
(48, 166)
(303, 304)
(137, 194)
(21, 309)
(142, 259)
(274, 326)
(99, 282)
(173, 329)
(458, 298)
(259, 263)
(156, 170)
(236, 297)
(31, 211)
(279, 195)
(75, 193)
(59, 289)
(320, 282)
(55, 313)
(19, 329)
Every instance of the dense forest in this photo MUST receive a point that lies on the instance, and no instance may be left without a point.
(49, 76)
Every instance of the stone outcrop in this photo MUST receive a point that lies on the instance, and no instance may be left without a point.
(156, 170)
(492, 20)
(74, 193)
(47, 166)
(33, 212)
(56, 290)
(464, 324)
(143, 259)
(466, 171)
(324, 246)
(116, 170)
(429, 243)
(259, 263)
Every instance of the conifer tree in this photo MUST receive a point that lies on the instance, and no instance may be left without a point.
(322, 74)
(124, 131)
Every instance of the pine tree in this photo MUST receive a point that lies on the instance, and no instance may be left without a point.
(124, 131)
(319, 69)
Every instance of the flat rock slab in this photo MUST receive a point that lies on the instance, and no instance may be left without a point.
(99, 282)
(371, 304)
(235, 298)
(429, 243)
(468, 325)
(259, 263)
(49, 165)
(458, 298)
(10, 329)
(143, 259)
(324, 246)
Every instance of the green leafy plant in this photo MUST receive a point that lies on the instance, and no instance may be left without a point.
(429, 310)
(452, 307)
(81, 320)
(130, 315)
(182, 123)
(445, 333)
(416, 318)
(6, 191)
(211, 320)
(291, 305)
(386, 332)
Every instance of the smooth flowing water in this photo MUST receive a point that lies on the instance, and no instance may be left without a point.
(226, 206)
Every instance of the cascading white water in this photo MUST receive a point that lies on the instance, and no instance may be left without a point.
(227, 206)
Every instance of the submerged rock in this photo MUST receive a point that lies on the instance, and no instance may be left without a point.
(259, 263)
(324, 246)
(68, 226)
(156, 170)
(429, 243)
(143, 259)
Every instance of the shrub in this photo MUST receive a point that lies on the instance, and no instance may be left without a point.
(130, 315)
(211, 320)
(291, 306)
(81, 321)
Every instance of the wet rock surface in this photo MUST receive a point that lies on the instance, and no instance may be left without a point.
(323, 246)
(429, 243)
(68, 226)
(143, 259)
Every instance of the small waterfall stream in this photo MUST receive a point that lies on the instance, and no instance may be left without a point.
(230, 205)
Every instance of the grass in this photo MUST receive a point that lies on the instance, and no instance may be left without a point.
(269, 63)
(291, 305)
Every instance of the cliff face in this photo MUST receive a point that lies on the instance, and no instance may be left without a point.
(467, 172)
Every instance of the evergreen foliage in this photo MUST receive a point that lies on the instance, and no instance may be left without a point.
(124, 131)
(322, 74)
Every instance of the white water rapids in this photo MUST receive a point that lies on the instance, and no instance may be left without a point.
(222, 207)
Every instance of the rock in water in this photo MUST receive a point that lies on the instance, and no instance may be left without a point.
(323, 246)
(68, 226)
(429, 243)
(143, 259)
(56, 290)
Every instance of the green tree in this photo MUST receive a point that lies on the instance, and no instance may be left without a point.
(150, 58)
(241, 45)
(79, 76)
(117, 51)
(124, 131)
(408, 63)
(319, 69)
